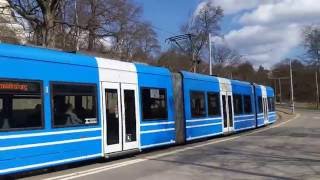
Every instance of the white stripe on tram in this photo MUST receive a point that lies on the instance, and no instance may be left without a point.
(157, 130)
(242, 120)
(48, 133)
(204, 125)
(48, 143)
(207, 119)
(249, 115)
(154, 124)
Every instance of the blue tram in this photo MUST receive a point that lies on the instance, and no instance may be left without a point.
(157, 121)
(57, 107)
(243, 104)
(202, 108)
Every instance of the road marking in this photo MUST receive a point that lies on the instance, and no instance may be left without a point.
(139, 160)
(95, 170)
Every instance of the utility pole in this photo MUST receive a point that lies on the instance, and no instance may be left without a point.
(210, 55)
(275, 89)
(195, 63)
(291, 80)
(279, 84)
(317, 82)
(280, 91)
(317, 90)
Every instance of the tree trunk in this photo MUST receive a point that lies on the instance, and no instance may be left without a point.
(38, 35)
(49, 35)
(91, 39)
(91, 25)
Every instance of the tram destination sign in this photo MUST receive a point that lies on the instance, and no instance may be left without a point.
(17, 86)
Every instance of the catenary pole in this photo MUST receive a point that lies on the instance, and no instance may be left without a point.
(317, 90)
(280, 91)
(291, 80)
(210, 55)
(275, 89)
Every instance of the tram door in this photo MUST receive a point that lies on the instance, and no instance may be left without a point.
(120, 117)
(227, 109)
(265, 110)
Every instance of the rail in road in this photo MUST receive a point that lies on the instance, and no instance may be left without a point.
(289, 149)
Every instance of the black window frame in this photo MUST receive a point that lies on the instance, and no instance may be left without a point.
(43, 124)
(241, 103)
(166, 104)
(244, 104)
(219, 104)
(52, 83)
(205, 104)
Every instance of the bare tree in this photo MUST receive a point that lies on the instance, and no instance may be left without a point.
(41, 16)
(205, 21)
(223, 55)
(113, 27)
(138, 43)
(312, 44)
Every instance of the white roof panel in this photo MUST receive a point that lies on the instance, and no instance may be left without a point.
(115, 65)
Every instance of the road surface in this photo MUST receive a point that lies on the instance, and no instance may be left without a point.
(288, 150)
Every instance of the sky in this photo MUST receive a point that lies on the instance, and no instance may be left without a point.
(263, 31)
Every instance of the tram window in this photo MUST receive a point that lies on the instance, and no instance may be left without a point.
(260, 104)
(213, 104)
(154, 104)
(20, 105)
(271, 105)
(247, 105)
(198, 107)
(74, 105)
(237, 104)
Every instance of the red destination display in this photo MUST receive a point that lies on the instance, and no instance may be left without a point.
(13, 86)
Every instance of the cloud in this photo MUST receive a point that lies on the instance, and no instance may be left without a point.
(268, 31)
(264, 45)
(235, 6)
(229, 6)
(286, 11)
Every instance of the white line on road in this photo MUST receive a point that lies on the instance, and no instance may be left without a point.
(130, 162)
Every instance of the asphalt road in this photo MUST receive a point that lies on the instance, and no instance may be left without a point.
(289, 150)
